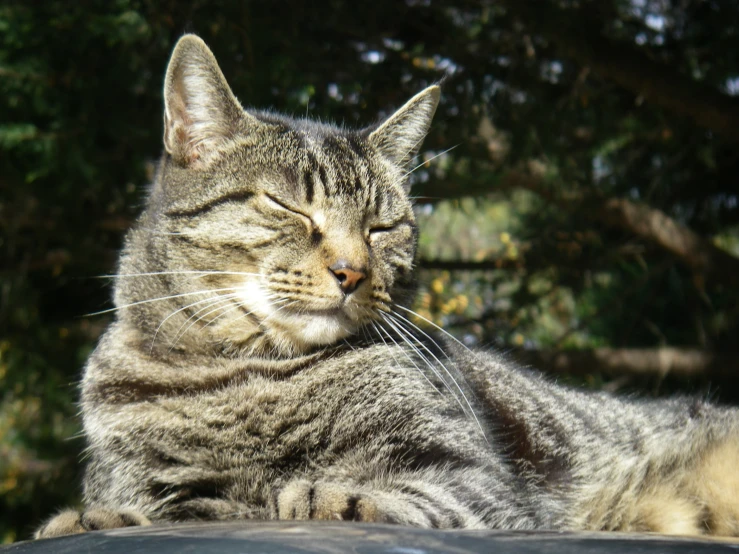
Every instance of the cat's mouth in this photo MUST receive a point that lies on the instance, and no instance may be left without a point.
(299, 325)
(306, 328)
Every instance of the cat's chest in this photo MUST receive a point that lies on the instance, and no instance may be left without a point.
(275, 424)
(257, 418)
(245, 434)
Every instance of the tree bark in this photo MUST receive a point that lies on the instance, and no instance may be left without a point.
(578, 37)
(642, 362)
(696, 252)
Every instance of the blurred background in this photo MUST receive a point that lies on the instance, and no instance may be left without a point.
(577, 194)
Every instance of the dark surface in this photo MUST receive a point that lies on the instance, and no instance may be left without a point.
(311, 537)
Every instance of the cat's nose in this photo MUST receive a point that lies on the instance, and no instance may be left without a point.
(349, 278)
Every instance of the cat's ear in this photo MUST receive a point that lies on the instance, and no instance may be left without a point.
(200, 111)
(400, 136)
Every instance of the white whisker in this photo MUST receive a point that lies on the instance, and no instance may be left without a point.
(404, 336)
(446, 370)
(289, 304)
(148, 301)
(183, 272)
(366, 334)
(273, 303)
(413, 147)
(429, 160)
(180, 333)
(410, 359)
(222, 314)
(211, 300)
(455, 339)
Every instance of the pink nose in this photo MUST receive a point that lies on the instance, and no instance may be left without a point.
(348, 277)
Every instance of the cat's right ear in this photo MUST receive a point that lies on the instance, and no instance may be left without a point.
(201, 113)
(399, 138)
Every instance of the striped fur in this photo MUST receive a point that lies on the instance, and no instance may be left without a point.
(243, 379)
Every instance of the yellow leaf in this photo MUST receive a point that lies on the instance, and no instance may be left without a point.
(437, 286)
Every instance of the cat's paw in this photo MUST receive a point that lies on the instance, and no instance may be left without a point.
(704, 502)
(716, 485)
(302, 499)
(70, 522)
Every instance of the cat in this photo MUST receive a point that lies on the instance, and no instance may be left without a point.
(263, 363)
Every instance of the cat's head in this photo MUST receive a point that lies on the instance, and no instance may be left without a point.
(266, 230)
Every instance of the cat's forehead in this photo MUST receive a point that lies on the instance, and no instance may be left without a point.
(321, 165)
(323, 148)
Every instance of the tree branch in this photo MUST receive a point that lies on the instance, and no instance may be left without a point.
(652, 225)
(462, 265)
(699, 254)
(578, 37)
(657, 362)
(696, 252)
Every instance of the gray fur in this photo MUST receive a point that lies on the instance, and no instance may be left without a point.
(239, 381)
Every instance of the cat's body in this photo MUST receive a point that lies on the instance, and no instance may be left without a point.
(262, 364)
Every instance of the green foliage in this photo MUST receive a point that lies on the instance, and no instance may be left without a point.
(80, 126)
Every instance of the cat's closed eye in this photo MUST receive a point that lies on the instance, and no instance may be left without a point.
(278, 204)
(378, 231)
(382, 229)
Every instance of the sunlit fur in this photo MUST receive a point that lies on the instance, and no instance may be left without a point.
(239, 380)
(278, 200)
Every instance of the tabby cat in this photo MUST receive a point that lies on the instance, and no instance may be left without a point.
(263, 364)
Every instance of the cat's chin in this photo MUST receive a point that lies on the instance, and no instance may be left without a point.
(308, 330)
(297, 329)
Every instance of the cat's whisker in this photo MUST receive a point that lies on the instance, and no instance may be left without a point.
(419, 316)
(223, 314)
(287, 305)
(407, 322)
(410, 359)
(414, 198)
(446, 370)
(377, 329)
(162, 298)
(365, 336)
(408, 173)
(238, 305)
(241, 305)
(160, 233)
(421, 355)
(221, 304)
(182, 272)
(212, 302)
(366, 315)
(400, 320)
(273, 303)
(413, 148)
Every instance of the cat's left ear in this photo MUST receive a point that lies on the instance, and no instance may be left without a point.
(399, 138)
(201, 114)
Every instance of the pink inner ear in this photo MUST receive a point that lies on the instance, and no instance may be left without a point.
(182, 144)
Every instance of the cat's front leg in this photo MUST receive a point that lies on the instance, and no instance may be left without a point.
(70, 522)
(715, 484)
(331, 500)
